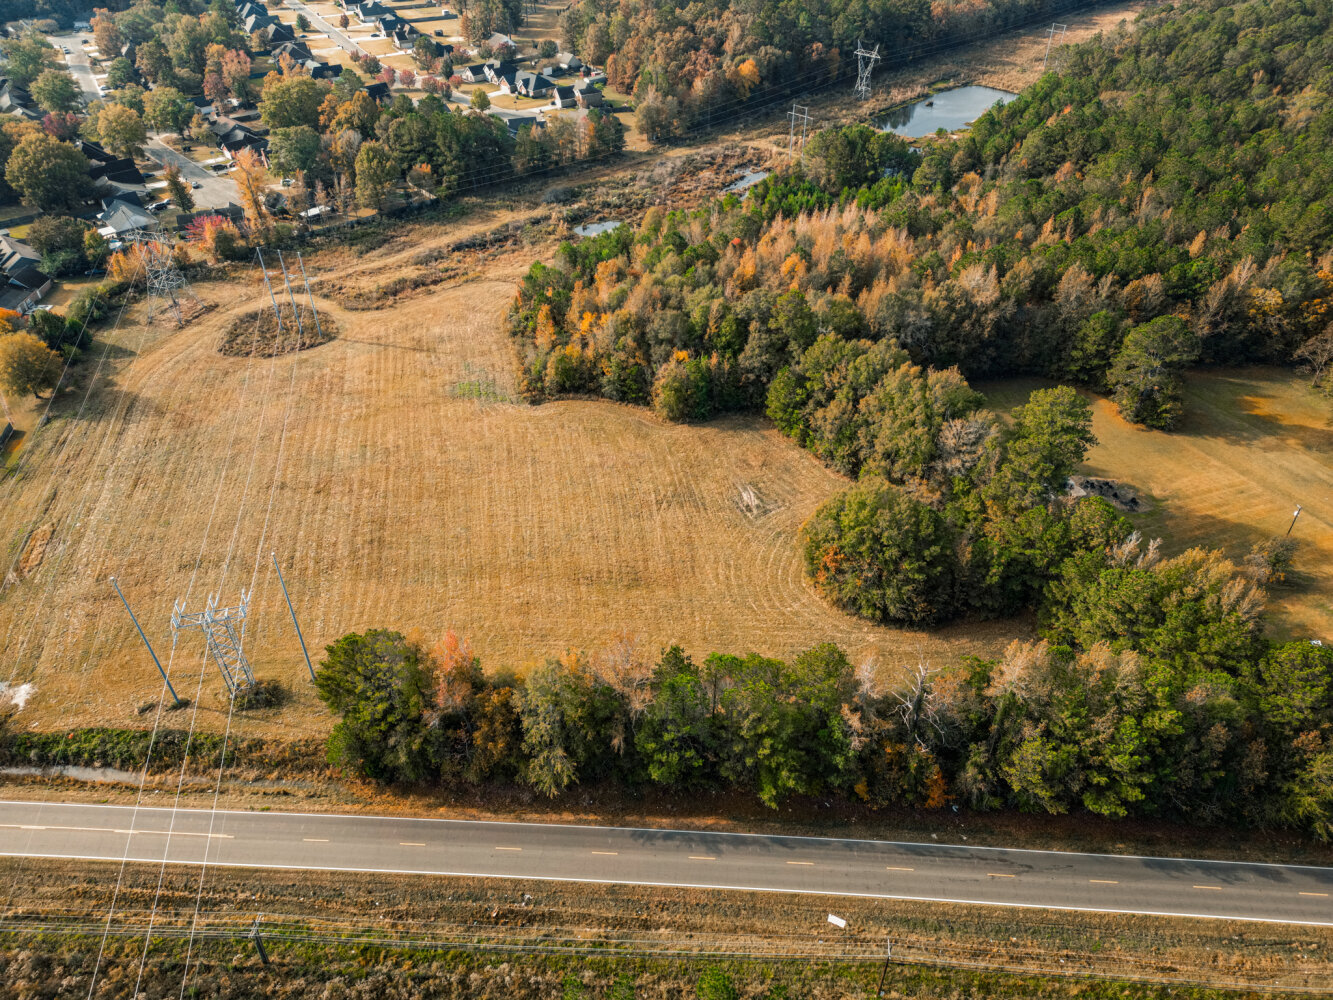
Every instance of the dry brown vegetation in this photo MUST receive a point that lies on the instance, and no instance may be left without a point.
(401, 486)
(1253, 444)
(626, 921)
(262, 333)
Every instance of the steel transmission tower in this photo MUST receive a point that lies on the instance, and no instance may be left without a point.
(798, 113)
(865, 65)
(219, 628)
(165, 281)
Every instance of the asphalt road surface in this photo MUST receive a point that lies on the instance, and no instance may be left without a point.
(337, 37)
(76, 61)
(215, 190)
(529, 851)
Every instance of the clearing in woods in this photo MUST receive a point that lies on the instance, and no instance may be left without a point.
(409, 489)
(1254, 443)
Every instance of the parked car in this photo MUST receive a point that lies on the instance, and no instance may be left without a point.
(439, 33)
(196, 185)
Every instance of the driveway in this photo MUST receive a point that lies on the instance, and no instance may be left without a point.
(215, 190)
(77, 61)
(316, 21)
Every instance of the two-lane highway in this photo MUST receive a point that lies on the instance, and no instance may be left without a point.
(611, 855)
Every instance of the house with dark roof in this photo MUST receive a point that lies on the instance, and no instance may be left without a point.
(102, 164)
(588, 96)
(276, 33)
(14, 100)
(517, 123)
(496, 71)
(378, 91)
(322, 70)
(293, 50)
(563, 97)
(23, 287)
(531, 84)
(232, 136)
(473, 74)
(258, 22)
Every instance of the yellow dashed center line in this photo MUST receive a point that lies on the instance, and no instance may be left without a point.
(509, 848)
(408, 843)
(998, 875)
(892, 869)
(1103, 881)
(607, 854)
(1218, 888)
(315, 840)
(1324, 894)
(701, 857)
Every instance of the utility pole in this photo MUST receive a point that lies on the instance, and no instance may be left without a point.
(175, 697)
(259, 941)
(309, 296)
(1295, 514)
(888, 953)
(865, 65)
(802, 114)
(1050, 36)
(263, 269)
(304, 652)
(300, 327)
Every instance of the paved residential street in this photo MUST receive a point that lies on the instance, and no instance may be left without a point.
(77, 60)
(1291, 894)
(215, 190)
(338, 38)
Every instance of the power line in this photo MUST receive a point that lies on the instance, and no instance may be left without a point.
(865, 65)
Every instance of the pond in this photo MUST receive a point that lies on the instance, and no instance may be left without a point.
(748, 179)
(596, 228)
(950, 110)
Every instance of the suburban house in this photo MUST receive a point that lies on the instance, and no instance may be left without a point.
(587, 95)
(107, 168)
(322, 71)
(276, 33)
(591, 77)
(518, 123)
(293, 50)
(258, 22)
(232, 136)
(568, 61)
(379, 92)
(14, 100)
(22, 281)
(531, 84)
(563, 97)
(496, 71)
(473, 74)
(499, 41)
(123, 214)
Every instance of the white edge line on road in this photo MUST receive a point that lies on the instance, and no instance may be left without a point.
(684, 885)
(687, 833)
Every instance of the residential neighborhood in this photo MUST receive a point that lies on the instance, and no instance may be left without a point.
(242, 124)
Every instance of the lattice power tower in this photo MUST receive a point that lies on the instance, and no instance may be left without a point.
(865, 65)
(165, 281)
(224, 644)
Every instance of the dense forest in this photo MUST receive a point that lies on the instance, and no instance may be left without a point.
(684, 62)
(1161, 202)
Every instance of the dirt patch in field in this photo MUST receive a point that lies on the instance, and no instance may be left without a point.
(35, 549)
(262, 333)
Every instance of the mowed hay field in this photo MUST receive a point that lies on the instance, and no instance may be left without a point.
(402, 486)
(1253, 444)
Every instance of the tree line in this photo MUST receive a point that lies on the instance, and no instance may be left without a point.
(1150, 693)
(682, 63)
(1160, 202)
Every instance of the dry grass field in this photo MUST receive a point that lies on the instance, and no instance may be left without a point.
(1254, 443)
(402, 486)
